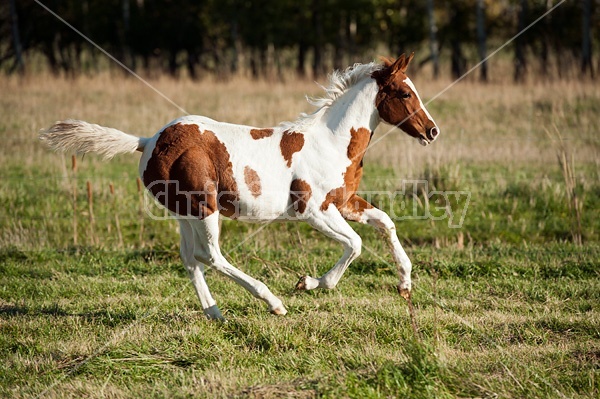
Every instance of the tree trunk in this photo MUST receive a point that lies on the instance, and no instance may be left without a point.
(520, 61)
(128, 58)
(458, 61)
(433, 43)
(173, 62)
(237, 61)
(192, 60)
(351, 34)
(586, 42)
(340, 48)
(545, 42)
(19, 65)
(482, 39)
(91, 64)
(301, 58)
(318, 44)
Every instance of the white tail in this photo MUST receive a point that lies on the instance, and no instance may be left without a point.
(83, 137)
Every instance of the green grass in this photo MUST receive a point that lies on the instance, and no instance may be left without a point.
(516, 322)
(508, 310)
(505, 206)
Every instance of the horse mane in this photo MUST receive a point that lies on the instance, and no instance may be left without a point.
(339, 83)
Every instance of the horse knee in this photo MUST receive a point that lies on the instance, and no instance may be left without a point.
(384, 225)
(381, 221)
(185, 258)
(188, 259)
(261, 290)
(355, 246)
(205, 257)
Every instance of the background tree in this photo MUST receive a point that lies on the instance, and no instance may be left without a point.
(482, 39)
(433, 42)
(267, 39)
(460, 29)
(520, 59)
(16, 38)
(586, 38)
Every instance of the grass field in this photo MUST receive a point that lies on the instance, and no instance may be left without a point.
(506, 305)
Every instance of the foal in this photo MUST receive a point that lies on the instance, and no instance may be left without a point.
(308, 170)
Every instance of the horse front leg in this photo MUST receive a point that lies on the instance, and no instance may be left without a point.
(332, 224)
(359, 210)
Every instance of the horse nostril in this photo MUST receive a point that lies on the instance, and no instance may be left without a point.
(433, 132)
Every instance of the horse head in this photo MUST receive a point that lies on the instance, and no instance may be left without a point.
(398, 102)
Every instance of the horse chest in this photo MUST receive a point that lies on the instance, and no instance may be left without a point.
(336, 174)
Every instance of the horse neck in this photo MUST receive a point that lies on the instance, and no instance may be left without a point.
(353, 110)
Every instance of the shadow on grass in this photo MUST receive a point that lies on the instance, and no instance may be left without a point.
(372, 267)
(104, 316)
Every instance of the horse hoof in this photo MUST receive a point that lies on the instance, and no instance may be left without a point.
(213, 313)
(404, 293)
(307, 283)
(280, 311)
(301, 284)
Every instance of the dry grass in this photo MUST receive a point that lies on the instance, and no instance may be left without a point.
(480, 123)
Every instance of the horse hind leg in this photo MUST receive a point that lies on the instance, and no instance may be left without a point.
(196, 271)
(207, 251)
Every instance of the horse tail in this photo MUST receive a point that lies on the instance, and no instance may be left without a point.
(83, 137)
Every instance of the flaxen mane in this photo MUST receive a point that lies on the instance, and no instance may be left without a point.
(339, 83)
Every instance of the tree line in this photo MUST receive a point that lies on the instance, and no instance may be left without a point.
(267, 38)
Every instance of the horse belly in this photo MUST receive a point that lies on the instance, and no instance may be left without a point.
(263, 194)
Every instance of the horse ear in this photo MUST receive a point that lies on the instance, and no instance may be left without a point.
(408, 60)
(398, 64)
(401, 63)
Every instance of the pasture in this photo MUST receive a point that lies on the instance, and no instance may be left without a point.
(94, 301)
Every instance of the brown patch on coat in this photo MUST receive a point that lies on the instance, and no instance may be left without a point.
(191, 174)
(291, 143)
(300, 191)
(258, 134)
(252, 181)
(359, 142)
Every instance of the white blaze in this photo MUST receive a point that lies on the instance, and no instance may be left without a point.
(414, 89)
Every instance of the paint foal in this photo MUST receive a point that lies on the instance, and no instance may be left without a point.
(307, 170)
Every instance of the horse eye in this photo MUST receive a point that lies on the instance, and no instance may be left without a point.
(405, 95)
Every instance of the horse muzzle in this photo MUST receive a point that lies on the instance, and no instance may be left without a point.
(430, 136)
